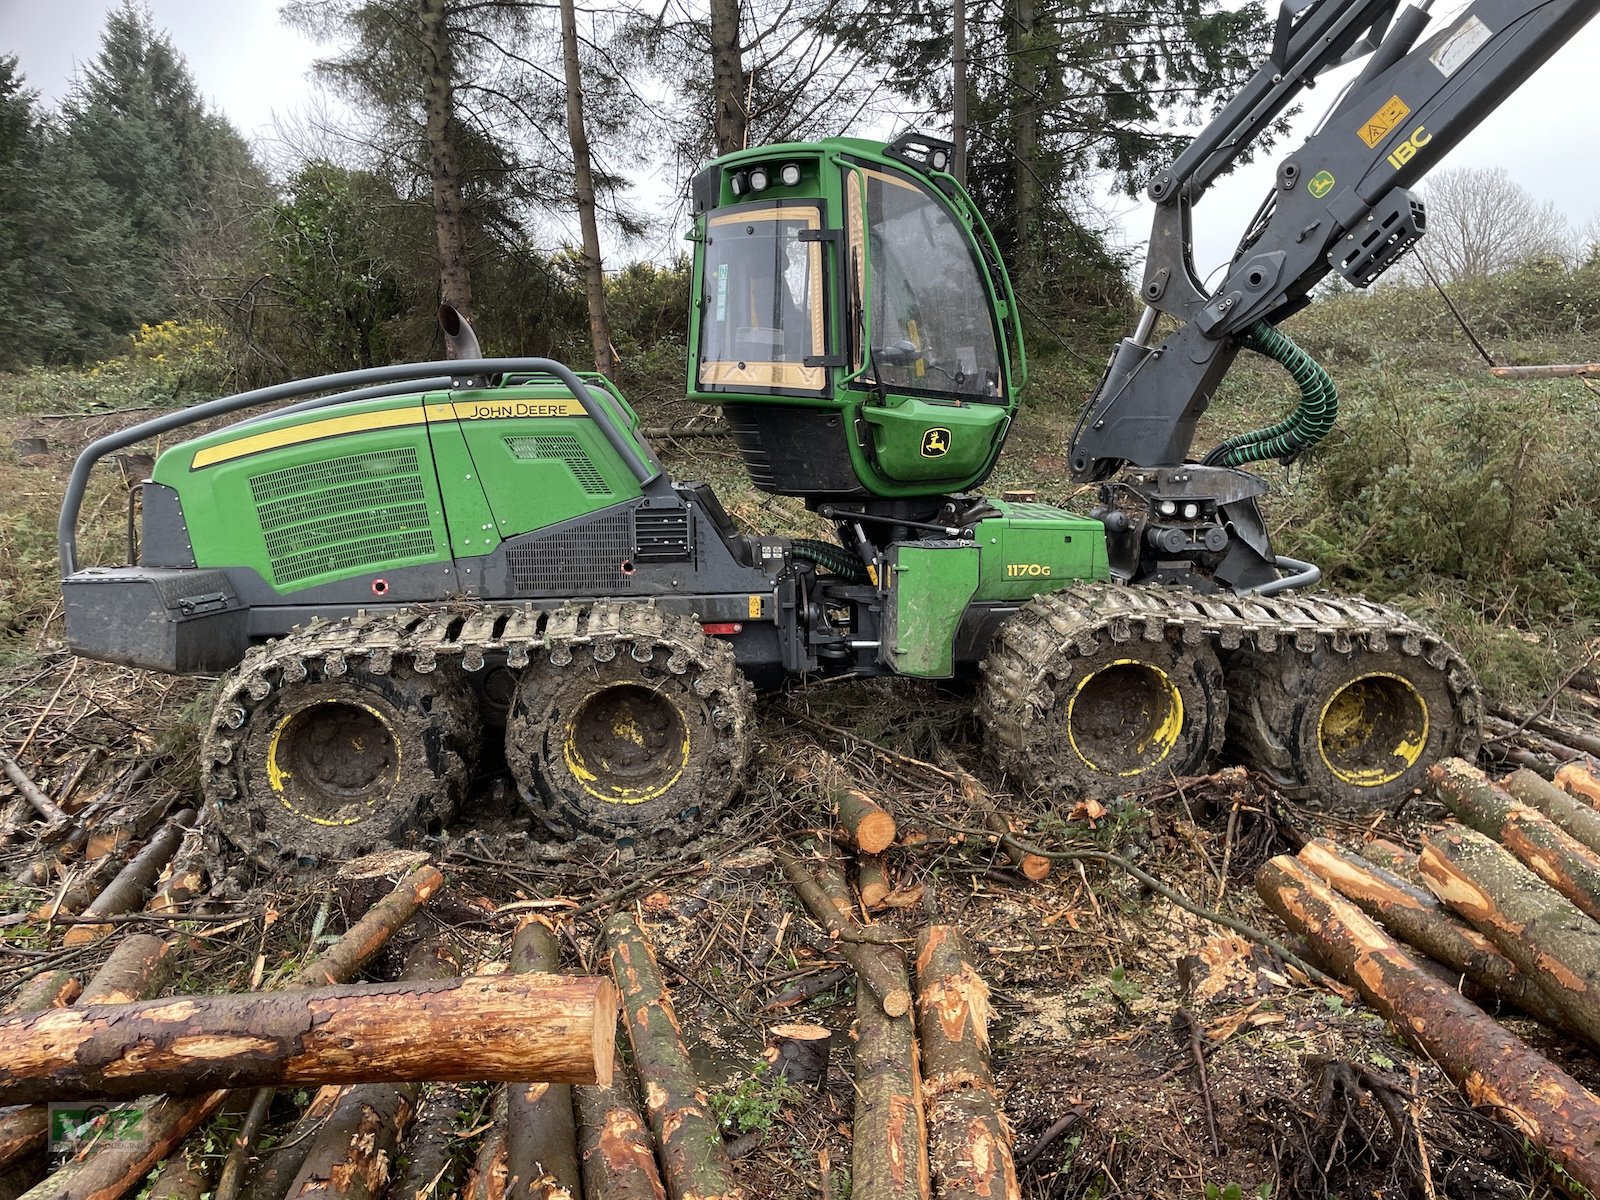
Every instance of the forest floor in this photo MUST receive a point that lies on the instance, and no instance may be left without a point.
(1100, 986)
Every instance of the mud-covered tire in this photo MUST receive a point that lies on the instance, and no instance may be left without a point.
(640, 738)
(327, 768)
(1073, 703)
(1350, 731)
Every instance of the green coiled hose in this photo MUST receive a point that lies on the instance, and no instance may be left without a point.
(835, 559)
(1307, 425)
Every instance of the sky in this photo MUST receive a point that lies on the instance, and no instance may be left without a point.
(255, 70)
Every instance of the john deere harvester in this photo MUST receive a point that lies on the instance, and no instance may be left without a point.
(421, 558)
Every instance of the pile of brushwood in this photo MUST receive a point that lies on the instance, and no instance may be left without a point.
(883, 976)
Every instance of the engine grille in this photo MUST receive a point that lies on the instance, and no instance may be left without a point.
(561, 447)
(662, 535)
(588, 558)
(364, 510)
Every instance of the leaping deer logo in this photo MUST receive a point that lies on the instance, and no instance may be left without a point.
(936, 443)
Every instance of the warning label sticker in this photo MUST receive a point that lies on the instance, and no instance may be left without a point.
(1459, 45)
(1382, 123)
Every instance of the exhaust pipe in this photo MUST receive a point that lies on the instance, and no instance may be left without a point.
(459, 340)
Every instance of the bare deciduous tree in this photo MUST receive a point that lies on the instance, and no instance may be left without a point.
(1482, 222)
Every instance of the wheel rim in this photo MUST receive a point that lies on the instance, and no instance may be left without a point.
(626, 744)
(331, 761)
(1373, 730)
(1125, 718)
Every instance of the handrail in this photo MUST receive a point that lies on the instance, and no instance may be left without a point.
(417, 374)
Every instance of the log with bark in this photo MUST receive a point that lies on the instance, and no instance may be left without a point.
(1580, 820)
(1492, 1067)
(1577, 780)
(1417, 918)
(185, 877)
(557, 1029)
(800, 1053)
(32, 793)
(110, 1171)
(1552, 854)
(884, 983)
(487, 1178)
(1394, 857)
(182, 1178)
(1551, 941)
(276, 1168)
(429, 1168)
(865, 823)
(127, 891)
(47, 989)
(618, 1157)
(889, 1150)
(969, 1138)
(353, 1153)
(541, 1136)
(1034, 867)
(694, 1163)
(873, 881)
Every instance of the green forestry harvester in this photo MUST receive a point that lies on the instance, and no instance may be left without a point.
(437, 554)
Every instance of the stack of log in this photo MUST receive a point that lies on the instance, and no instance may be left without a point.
(181, 1059)
(1502, 909)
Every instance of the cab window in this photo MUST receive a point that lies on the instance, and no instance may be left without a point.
(932, 332)
(762, 316)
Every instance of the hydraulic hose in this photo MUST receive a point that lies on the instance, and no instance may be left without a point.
(834, 558)
(1307, 425)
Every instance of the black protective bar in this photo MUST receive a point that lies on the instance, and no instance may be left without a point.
(644, 472)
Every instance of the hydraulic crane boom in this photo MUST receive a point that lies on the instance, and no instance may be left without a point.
(1341, 202)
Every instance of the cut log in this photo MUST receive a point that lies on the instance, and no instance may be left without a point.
(182, 1178)
(866, 824)
(127, 891)
(541, 1135)
(1549, 939)
(873, 881)
(1417, 918)
(1492, 1067)
(800, 1053)
(1577, 780)
(82, 884)
(887, 985)
(1579, 819)
(355, 1148)
(111, 1171)
(969, 1139)
(694, 1164)
(47, 989)
(1392, 856)
(889, 1150)
(367, 936)
(185, 878)
(487, 1179)
(429, 1169)
(1555, 856)
(1034, 867)
(619, 1159)
(556, 1028)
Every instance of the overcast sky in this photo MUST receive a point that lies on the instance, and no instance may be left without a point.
(253, 68)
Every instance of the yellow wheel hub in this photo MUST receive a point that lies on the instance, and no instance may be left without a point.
(1125, 718)
(626, 745)
(1372, 730)
(331, 761)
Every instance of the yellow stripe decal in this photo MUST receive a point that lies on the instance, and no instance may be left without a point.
(393, 418)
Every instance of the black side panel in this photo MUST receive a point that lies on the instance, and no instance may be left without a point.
(794, 451)
(187, 622)
(165, 538)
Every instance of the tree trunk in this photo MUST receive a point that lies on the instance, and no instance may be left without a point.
(277, 1168)
(1393, 857)
(1577, 818)
(48, 989)
(619, 1159)
(693, 1162)
(870, 967)
(186, 878)
(1556, 857)
(1417, 918)
(372, 932)
(444, 162)
(541, 1136)
(1025, 96)
(1034, 867)
(493, 1027)
(487, 1179)
(30, 791)
(1491, 1066)
(969, 1139)
(127, 891)
(800, 1053)
(137, 968)
(889, 1148)
(727, 77)
(429, 1170)
(958, 90)
(1551, 942)
(594, 278)
(872, 881)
